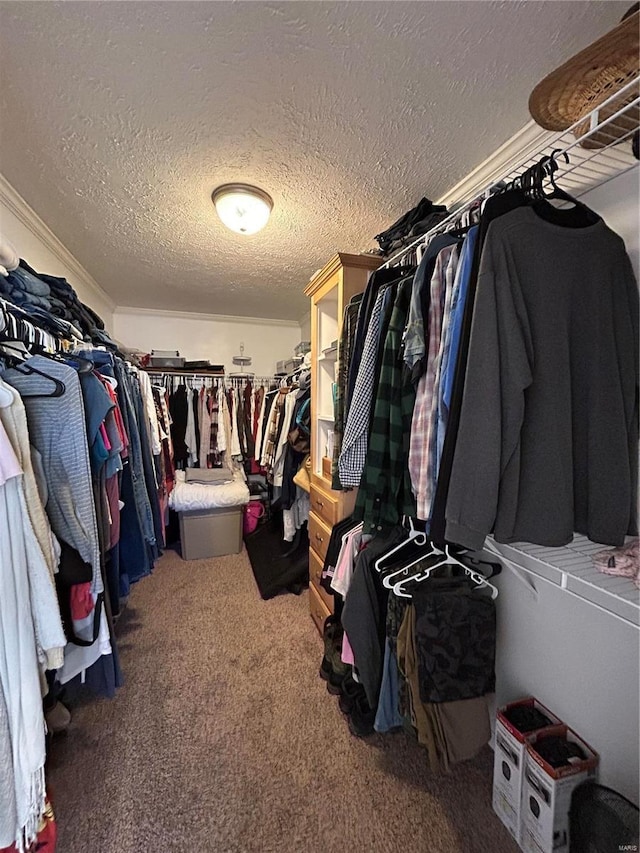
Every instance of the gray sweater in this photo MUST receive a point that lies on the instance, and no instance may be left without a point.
(547, 443)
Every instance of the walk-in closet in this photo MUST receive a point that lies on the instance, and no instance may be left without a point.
(319, 409)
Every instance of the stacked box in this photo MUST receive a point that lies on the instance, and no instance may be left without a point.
(509, 759)
(547, 790)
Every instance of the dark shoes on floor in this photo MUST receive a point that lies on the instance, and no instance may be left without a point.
(332, 669)
(361, 718)
(340, 682)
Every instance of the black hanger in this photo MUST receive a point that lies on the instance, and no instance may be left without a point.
(475, 562)
(84, 364)
(578, 216)
(27, 369)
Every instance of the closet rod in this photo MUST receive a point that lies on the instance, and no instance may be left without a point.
(194, 374)
(15, 324)
(610, 159)
(188, 374)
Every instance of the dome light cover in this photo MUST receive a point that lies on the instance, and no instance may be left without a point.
(242, 208)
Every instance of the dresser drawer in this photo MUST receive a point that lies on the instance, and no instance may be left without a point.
(324, 505)
(319, 535)
(318, 609)
(315, 575)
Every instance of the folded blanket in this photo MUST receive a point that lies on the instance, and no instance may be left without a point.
(210, 476)
(191, 496)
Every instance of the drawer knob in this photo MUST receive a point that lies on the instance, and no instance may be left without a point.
(320, 504)
(319, 538)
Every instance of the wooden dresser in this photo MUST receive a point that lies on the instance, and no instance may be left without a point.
(330, 290)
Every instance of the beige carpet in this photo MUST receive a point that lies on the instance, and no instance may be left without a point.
(225, 740)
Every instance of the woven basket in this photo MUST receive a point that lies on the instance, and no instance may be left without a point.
(589, 78)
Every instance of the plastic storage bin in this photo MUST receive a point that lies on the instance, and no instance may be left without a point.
(211, 532)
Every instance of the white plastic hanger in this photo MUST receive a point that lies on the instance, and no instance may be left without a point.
(390, 580)
(450, 560)
(416, 536)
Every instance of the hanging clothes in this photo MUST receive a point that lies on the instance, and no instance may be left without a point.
(424, 421)
(190, 438)
(385, 489)
(57, 429)
(343, 367)
(494, 207)
(22, 727)
(552, 375)
(353, 451)
(178, 407)
(414, 344)
(441, 690)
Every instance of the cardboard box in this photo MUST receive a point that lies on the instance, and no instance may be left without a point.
(508, 763)
(546, 794)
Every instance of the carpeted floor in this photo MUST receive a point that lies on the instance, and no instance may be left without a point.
(225, 740)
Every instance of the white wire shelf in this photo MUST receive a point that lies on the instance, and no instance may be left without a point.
(571, 568)
(588, 167)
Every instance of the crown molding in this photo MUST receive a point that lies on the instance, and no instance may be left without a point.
(365, 260)
(206, 318)
(14, 202)
(526, 144)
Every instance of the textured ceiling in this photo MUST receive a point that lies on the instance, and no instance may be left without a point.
(120, 118)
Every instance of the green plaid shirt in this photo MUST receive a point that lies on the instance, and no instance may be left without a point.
(385, 487)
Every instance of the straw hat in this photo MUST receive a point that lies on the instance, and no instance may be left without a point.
(589, 78)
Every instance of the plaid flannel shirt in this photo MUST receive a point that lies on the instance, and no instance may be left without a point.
(356, 431)
(385, 490)
(345, 346)
(423, 425)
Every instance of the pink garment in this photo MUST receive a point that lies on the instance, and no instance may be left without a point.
(341, 580)
(105, 437)
(347, 651)
(117, 414)
(112, 487)
(81, 601)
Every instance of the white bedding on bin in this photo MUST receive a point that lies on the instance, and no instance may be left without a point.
(189, 496)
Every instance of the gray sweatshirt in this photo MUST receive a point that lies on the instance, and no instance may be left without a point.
(547, 443)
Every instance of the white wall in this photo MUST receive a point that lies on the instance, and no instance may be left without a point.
(618, 202)
(305, 327)
(581, 663)
(209, 336)
(37, 244)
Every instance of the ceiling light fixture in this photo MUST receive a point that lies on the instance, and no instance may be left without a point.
(242, 208)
